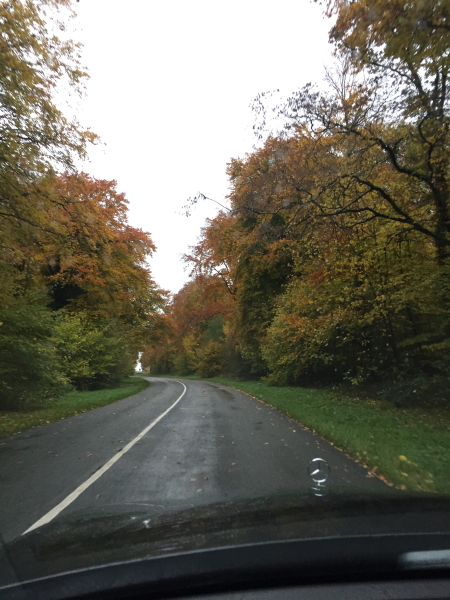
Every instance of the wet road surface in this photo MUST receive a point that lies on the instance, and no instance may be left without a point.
(215, 444)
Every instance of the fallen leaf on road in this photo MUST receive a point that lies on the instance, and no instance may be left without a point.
(232, 464)
(213, 440)
(180, 463)
(174, 430)
(266, 443)
(199, 490)
(206, 478)
(89, 454)
(294, 431)
(193, 479)
(97, 496)
(386, 481)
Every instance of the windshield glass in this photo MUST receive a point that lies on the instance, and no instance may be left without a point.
(225, 268)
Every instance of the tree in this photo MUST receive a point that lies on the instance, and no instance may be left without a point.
(36, 139)
(322, 293)
(97, 271)
(29, 369)
(388, 109)
(91, 353)
(335, 248)
(193, 332)
(97, 254)
(64, 236)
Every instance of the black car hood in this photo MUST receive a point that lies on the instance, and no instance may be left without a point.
(119, 533)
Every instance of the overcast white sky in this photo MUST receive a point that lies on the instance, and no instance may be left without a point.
(169, 94)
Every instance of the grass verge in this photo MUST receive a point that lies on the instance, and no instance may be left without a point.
(408, 447)
(66, 406)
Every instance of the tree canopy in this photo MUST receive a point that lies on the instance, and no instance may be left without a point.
(77, 301)
(334, 254)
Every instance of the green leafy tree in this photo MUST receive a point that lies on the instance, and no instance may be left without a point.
(91, 354)
(29, 370)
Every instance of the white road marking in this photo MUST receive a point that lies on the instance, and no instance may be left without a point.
(80, 489)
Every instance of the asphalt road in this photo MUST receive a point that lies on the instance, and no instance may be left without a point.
(216, 444)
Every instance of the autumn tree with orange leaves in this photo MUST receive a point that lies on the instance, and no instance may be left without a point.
(195, 333)
(335, 245)
(77, 300)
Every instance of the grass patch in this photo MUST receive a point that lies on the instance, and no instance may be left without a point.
(67, 405)
(408, 446)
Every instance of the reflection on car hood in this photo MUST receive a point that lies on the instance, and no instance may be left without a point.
(118, 533)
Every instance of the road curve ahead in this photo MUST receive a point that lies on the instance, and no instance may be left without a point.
(214, 444)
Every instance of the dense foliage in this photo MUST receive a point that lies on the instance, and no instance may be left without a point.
(77, 301)
(333, 260)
